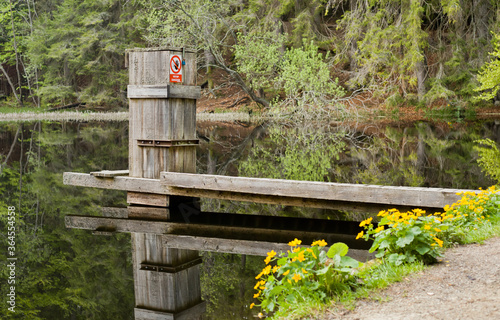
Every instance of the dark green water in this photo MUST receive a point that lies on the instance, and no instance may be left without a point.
(71, 274)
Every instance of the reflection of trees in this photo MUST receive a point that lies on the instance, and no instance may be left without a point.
(58, 276)
(294, 153)
(388, 160)
(431, 155)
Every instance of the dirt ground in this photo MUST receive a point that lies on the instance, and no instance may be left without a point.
(465, 285)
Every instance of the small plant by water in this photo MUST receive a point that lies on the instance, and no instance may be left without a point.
(304, 275)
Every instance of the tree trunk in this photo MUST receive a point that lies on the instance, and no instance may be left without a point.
(421, 76)
(209, 59)
(11, 85)
(16, 53)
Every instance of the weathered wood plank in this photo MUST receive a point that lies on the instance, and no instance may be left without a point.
(406, 196)
(189, 314)
(149, 213)
(211, 231)
(109, 173)
(148, 199)
(254, 248)
(163, 91)
(155, 186)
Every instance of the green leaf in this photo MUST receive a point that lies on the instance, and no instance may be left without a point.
(405, 240)
(422, 248)
(349, 262)
(338, 248)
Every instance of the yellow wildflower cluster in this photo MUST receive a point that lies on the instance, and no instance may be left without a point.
(295, 242)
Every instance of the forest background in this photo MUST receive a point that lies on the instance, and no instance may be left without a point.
(281, 53)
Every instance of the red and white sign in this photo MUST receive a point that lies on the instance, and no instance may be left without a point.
(175, 68)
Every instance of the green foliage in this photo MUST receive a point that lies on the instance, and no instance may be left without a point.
(304, 275)
(305, 77)
(414, 236)
(79, 48)
(404, 237)
(489, 76)
(489, 157)
(257, 56)
(470, 212)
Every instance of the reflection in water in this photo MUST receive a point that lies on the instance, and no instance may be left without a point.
(72, 274)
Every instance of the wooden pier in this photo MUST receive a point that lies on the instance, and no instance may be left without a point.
(164, 220)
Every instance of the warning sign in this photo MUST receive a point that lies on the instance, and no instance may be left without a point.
(175, 68)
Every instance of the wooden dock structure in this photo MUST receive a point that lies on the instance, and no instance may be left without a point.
(164, 220)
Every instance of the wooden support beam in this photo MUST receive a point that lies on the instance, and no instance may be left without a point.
(109, 173)
(405, 196)
(154, 186)
(191, 313)
(163, 92)
(229, 233)
(254, 248)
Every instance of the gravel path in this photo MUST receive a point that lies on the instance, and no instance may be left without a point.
(465, 285)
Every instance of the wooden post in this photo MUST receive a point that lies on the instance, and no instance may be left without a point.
(162, 137)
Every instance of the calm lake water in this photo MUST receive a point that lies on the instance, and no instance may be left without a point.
(72, 274)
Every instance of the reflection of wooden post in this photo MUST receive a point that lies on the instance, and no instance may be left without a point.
(162, 134)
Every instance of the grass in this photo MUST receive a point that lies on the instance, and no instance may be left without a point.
(12, 109)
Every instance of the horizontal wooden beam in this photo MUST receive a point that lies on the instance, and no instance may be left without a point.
(163, 91)
(254, 248)
(227, 233)
(339, 196)
(391, 195)
(194, 312)
(110, 173)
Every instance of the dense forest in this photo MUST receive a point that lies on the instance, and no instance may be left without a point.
(279, 52)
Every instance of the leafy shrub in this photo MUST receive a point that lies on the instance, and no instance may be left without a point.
(304, 275)
(409, 236)
(413, 235)
(469, 212)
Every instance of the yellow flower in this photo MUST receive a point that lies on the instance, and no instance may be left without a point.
(438, 241)
(359, 235)
(271, 254)
(381, 228)
(256, 295)
(275, 269)
(437, 230)
(267, 260)
(301, 257)
(296, 277)
(321, 243)
(295, 242)
(382, 213)
(366, 222)
(286, 272)
(266, 270)
(304, 270)
(252, 305)
(259, 283)
(427, 227)
(312, 252)
(296, 249)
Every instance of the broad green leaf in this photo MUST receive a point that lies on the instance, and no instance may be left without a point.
(338, 248)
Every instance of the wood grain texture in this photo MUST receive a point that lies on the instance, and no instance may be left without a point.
(148, 199)
(163, 92)
(156, 186)
(230, 233)
(255, 248)
(405, 196)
